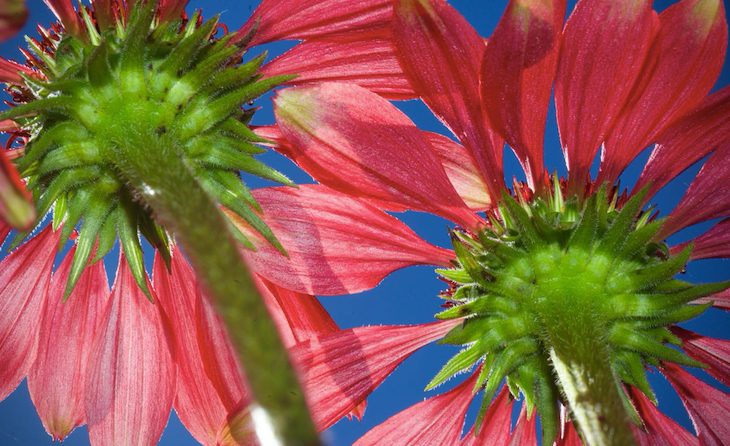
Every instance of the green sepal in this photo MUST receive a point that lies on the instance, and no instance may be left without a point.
(98, 70)
(133, 47)
(626, 338)
(129, 239)
(107, 236)
(241, 131)
(235, 77)
(640, 238)
(64, 182)
(94, 218)
(459, 276)
(620, 229)
(632, 372)
(585, 232)
(157, 237)
(75, 210)
(62, 133)
(461, 361)
(649, 276)
(69, 156)
(55, 104)
(183, 55)
(546, 400)
(522, 222)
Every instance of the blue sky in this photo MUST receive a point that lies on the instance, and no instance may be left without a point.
(407, 296)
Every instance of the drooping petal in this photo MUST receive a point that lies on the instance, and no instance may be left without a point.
(659, 430)
(713, 352)
(24, 278)
(335, 244)
(683, 65)
(604, 46)
(687, 141)
(354, 141)
(525, 433)
(496, 423)
(57, 378)
(302, 19)
(517, 77)
(708, 407)
(10, 72)
(130, 383)
(712, 244)
(705, 198)
(437, 421)
(16, 207)
(66, 14)
(12, 17)
(369, 63)
(719, 300)
(441, 55)
(461, 170)
(340, 370)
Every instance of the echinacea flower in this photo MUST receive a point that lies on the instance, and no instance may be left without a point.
(143, 75)
(561, 290)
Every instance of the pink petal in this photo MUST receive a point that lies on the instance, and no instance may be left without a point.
(66, 14)
(302, 19)
(12, 17)
(713, 352)
(16, 204)
(684, 63)
(435, 421)
(712, 244)
(24, 278)
(570, 435)
(10, 72)
(687, 141)
(525, 433)
(461, 170)
(130, 382)
(335, 244)
(57, 378)
(496, 424)
(354, 141)
(517, 77)
(432, 40)
(604, 46)
(340, 370)
(371, 63)
(708, 407)
(659, 429)
(705, 198)
(719, 300)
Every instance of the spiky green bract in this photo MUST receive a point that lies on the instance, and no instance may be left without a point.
(169, 80)
(557, 288)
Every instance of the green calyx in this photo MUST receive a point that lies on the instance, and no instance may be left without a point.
(173, 81)
(555, 285)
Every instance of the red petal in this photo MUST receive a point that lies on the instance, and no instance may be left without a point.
(704, 199)
(570, 435)
(496, 424)
(12, 17)
(301, 19)
(517, 77)
(441, 55)
(130, 383)
(713, 352)
(10, 72)
(371, 63)
(525, 433)
(57, 378)
(708, 407)
(659, 430)
(687, 141)
(604, 46)
(24, 278)
(354, 141)
(66, 14)
(335, 244)
(713, 243)
(340, 370)
(683, 65)
(461, 170)
(435, 421)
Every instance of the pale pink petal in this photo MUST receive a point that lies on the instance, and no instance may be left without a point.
(687, 141)
(604, 46)
(517, 77)
(708, 407)
(525, 433)
(435, 421)
(659, 430)
(24, 278)
(355, 141)
(461, 170)
(706, 197)
(371, 63)
(683, 64)
(340, 370)
(713, 352)
(719, 300)
(13, 14)
(302, 19)
(57, 378)
(441, 55)
(495, 427)
(130, 383)
(335, 244)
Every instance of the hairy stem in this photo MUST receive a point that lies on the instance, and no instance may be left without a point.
(157, 174)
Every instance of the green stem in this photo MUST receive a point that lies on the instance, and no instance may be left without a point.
(581, 362)
(154, 170)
